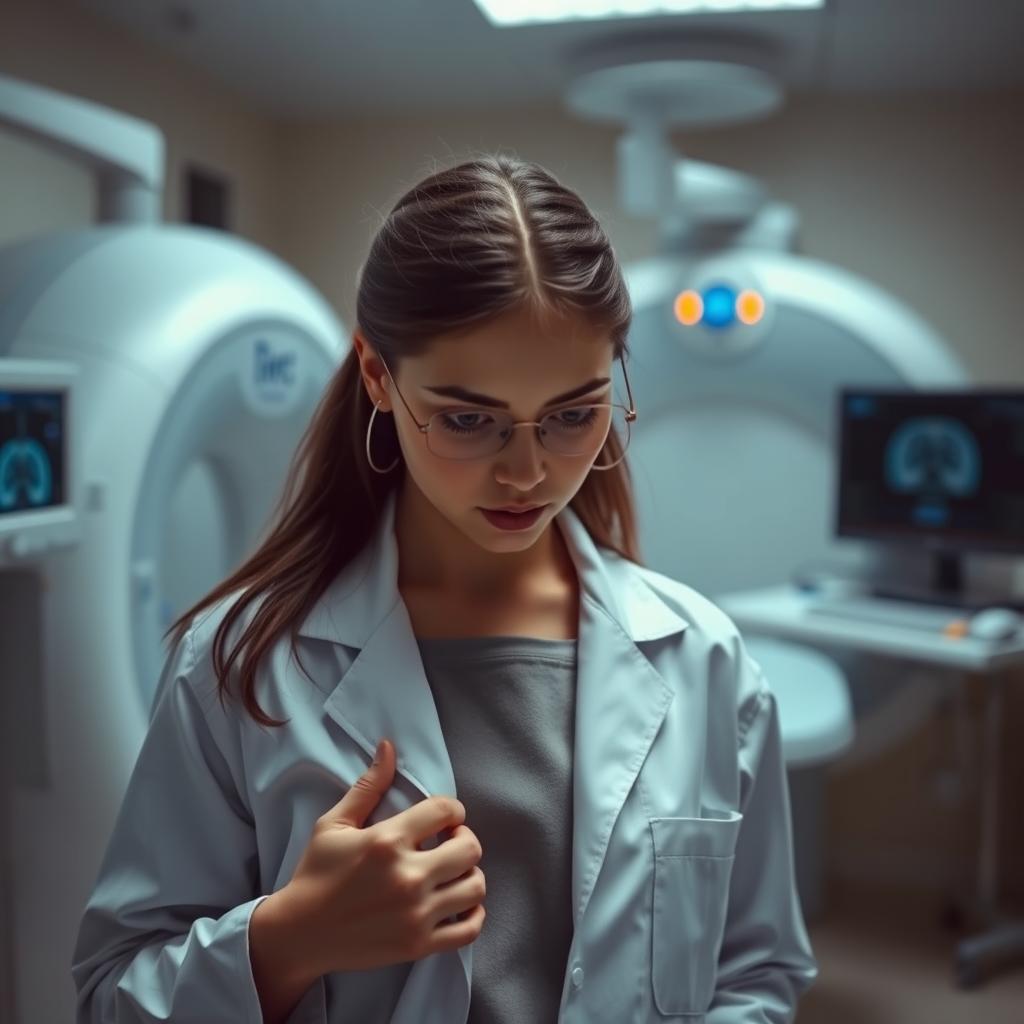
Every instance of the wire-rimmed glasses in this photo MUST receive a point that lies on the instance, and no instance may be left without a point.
(577, 430)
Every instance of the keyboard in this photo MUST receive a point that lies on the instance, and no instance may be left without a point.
(931, 618)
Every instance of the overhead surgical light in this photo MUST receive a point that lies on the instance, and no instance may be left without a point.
(504, 13)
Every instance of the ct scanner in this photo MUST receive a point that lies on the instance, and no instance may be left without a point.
(186, 365)
(156, 380)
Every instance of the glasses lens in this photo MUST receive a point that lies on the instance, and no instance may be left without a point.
(478, 433)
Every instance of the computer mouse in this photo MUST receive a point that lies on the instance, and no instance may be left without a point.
(995, 624)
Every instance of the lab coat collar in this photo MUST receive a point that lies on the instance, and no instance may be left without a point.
(358, 601)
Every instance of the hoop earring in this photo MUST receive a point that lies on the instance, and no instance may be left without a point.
(369, 458)
(602, 469)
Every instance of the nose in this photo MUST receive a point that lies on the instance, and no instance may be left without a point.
(520, 461)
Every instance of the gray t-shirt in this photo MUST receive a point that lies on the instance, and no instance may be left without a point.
(507, 710)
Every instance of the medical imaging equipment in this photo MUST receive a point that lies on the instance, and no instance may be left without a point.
(939, 471)
(155, 381)
(740, 346)
(39, 471)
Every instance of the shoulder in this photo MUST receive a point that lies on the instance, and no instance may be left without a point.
(284, 672)
(697, 609)
(206, 624)
(705, 619)
(713, 639)
(197, 645)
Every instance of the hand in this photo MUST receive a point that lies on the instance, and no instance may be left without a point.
(369, 897)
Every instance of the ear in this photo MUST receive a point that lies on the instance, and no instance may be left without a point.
(372, 370)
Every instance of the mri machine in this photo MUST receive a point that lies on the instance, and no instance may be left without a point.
(170, 372)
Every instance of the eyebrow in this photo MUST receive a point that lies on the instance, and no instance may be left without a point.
(463, 395)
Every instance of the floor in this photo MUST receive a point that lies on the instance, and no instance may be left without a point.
(885, 959)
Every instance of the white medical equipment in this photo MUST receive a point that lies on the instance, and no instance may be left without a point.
(745, 418)
(740, 347)
(194, 362)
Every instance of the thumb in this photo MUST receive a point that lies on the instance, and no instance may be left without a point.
(358, 803)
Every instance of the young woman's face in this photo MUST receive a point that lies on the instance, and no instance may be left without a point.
(524, 363)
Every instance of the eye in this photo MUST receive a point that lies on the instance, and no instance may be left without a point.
(579, 417)
(456, 422)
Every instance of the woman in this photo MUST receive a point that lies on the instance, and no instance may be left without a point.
(589, 738)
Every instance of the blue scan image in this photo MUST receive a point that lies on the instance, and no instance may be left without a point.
(933, 457)
(25, 477)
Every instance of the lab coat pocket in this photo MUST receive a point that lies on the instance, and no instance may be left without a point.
(693, 860)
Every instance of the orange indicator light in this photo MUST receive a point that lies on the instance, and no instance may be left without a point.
(750, 307)
(689, 308)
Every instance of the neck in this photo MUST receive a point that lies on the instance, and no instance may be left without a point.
(435, 556)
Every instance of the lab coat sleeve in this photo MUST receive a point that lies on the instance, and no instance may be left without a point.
(765, 961)
(164, 935)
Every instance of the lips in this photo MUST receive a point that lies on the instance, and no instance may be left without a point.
(516, 509)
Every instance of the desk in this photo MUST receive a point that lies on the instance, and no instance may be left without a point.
(785, 612)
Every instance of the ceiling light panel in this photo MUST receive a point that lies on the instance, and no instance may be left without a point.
(505, 13)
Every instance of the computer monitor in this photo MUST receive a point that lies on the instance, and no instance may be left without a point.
(38, 458)
(940, 470)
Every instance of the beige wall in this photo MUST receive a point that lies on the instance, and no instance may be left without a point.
(63, 47)
(920, 195)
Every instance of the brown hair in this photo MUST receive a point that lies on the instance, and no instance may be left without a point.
(464, 245)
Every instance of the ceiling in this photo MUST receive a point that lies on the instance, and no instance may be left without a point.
(318, 58)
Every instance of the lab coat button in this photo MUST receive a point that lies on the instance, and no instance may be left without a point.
(577, 976)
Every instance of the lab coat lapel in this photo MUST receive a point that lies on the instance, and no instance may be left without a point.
(621, 700)
(384, 692)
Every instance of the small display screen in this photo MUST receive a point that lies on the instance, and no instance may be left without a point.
(32, 450)
(946, 465)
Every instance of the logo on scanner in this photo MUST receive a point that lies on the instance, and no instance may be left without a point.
(271, 376)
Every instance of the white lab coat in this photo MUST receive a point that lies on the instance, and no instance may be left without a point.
(683, 890)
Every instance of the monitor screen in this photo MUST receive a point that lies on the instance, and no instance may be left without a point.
(940, 468)
(32, 450)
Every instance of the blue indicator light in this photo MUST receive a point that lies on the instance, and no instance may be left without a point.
(719, 306)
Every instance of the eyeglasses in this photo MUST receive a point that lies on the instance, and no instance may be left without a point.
(578, 430)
